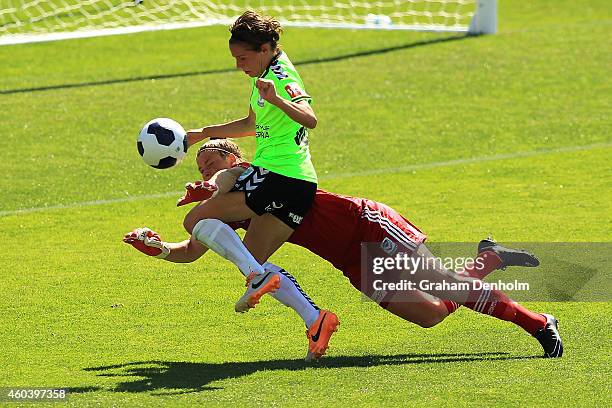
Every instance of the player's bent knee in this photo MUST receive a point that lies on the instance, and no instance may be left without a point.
(196, 214)
(190, 222)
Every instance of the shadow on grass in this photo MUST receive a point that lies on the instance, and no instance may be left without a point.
(186, 377)
(224, 70)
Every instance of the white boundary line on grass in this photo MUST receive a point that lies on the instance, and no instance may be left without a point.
(516, 155)
(401, 169)
(89, 203)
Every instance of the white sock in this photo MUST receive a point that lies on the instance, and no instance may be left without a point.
(223, 240)
(291, 295)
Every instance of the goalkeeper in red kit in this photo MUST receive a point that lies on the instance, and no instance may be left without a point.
(335, 228)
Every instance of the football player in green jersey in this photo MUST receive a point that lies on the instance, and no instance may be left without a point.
(279, 187)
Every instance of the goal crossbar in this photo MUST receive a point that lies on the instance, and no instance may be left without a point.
(481, 19)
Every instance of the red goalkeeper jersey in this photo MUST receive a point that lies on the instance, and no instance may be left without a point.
(336, 225)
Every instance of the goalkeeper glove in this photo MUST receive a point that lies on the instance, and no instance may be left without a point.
(198, 191)
(148, 242)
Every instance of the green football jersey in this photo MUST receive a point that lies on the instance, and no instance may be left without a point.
(282, 143)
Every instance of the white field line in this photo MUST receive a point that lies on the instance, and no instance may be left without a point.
(421, 166)
(388, 170)
(89, 203)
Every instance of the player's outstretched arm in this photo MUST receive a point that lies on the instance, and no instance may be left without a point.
(186, 251)
(149, 243)
(234, 129)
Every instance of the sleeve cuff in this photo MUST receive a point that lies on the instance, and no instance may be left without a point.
(302, 98)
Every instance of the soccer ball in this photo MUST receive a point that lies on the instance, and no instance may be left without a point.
(162, 143)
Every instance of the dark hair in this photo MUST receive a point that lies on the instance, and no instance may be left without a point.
(255, 30)
(223, 147)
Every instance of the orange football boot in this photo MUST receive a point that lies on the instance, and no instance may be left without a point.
(320, 333)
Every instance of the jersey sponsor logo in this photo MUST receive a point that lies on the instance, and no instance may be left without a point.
(296, 218)
(294, 90)
(273, 206)
(388, 246)
(262, 131)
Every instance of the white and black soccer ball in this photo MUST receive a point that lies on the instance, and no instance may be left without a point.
(162, 143)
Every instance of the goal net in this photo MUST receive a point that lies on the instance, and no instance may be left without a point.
(44, 20)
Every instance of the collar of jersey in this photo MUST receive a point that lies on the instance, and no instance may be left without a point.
(272, 62)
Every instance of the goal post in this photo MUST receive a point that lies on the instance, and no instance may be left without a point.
(47, 20)
(484, 20)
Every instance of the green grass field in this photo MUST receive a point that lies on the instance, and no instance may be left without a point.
(508, 135)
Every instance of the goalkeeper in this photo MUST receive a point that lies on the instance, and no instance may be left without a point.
(334, 229)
